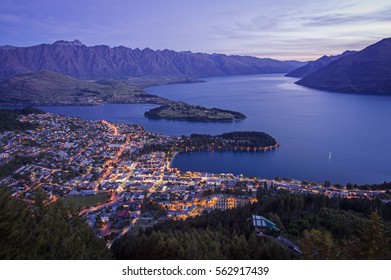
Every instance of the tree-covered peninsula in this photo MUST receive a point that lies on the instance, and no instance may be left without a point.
(233, 141)
(185, 112)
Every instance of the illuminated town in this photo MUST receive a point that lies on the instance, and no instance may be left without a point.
(103, 170)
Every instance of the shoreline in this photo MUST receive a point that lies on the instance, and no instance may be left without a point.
(261, 150)
(172, 159)
(237, 149)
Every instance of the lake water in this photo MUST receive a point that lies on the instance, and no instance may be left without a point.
(308, 124)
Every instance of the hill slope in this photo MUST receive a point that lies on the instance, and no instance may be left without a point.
(367, 71)
(314, 66)
(79, 61)
(50, 88)
(46, 231)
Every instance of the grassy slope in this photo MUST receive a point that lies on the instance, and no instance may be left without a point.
(78, 202)
(50, 87)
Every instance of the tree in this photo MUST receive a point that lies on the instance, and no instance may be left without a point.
(373, 235)
(328, 228)
(316, 244)
(42, 231)
(13, 229)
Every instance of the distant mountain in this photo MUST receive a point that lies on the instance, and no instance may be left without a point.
(79, 61)
(314, 66)
(367, 71)
(50, 88)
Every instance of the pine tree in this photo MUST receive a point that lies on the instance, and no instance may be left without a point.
(373, 235)
(317, 244)
(42, 231)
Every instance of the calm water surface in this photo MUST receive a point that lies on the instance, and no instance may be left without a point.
(309, 125)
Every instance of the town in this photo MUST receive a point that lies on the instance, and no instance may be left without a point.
(109, 173)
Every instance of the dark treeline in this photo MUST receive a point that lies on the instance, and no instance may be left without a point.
(383, 186)
(155, 112)
(41, 231)
(237, 140)
(324, 228)
(183, 111)
(10, 167)
(237, 115)
(229, 141)
(9, 119)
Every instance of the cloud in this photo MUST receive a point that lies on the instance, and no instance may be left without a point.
(9, 18)
(278, 28)
(345, 18)
(306, 29)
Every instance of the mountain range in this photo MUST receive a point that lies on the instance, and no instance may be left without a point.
(82, 62)
(367, 72)
(314, 66)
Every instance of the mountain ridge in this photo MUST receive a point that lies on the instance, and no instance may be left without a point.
(315, 65)
(73, 58)
(367, 72)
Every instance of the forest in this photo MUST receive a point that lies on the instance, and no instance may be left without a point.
(382, 186)
(237, 140)
(187, 112)
(9, 119)
(324, 228)
(10, 167)
(45, 231)
(230, 141)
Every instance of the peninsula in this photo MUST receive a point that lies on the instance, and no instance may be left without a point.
(231, 141)
(240, 141)
(117, 177)
(184, 112)
(51, 88)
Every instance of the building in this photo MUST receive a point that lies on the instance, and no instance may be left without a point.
(229, 202)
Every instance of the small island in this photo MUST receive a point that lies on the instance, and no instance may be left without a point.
(185, 112)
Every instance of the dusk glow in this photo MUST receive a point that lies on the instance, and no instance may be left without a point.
(279, 29)
(158, 132)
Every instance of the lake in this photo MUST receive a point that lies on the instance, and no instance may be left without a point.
(323, 136)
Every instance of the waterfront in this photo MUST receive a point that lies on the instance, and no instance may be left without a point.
(108, 173)
(309, 125)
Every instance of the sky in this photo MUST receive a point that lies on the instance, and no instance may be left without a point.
(280, 29)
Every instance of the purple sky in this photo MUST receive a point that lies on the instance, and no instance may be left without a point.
(281, 29)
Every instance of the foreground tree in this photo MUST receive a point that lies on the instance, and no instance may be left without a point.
(323, 228)
(317, 244)
(375, 241)
(41, 231)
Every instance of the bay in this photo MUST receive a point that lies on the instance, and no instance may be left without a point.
(323, 135)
